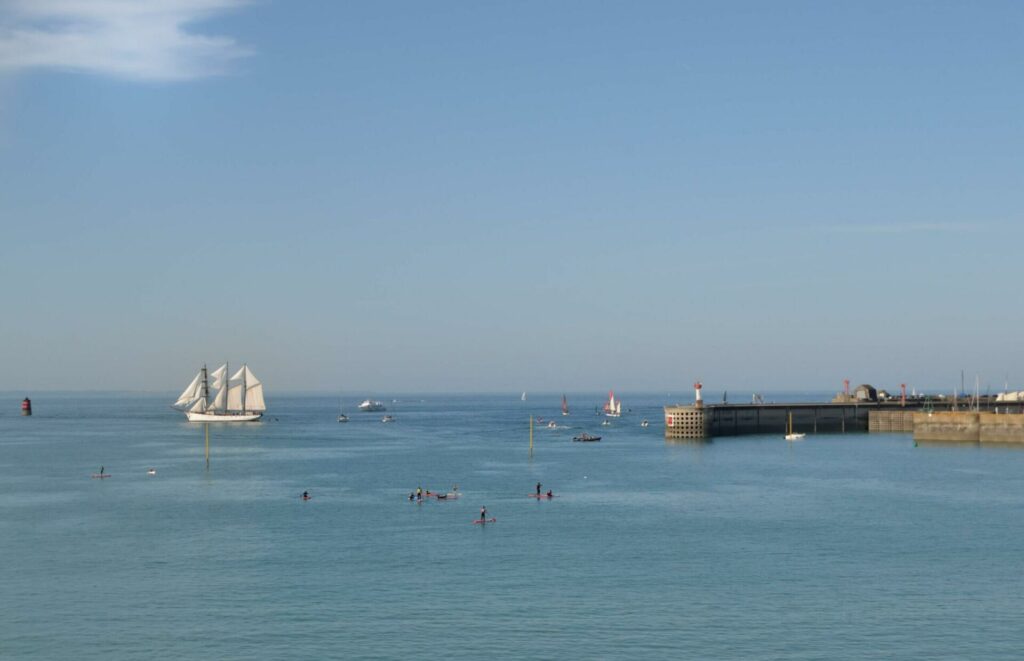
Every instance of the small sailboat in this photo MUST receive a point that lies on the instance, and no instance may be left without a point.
(523, 398)
(790, 436)
(565, 406)
(613, 409)
(645, 423)
(238, 399)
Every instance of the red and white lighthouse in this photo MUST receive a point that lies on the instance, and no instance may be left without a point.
(696, 387)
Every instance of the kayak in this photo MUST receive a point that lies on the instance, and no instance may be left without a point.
(485, 521)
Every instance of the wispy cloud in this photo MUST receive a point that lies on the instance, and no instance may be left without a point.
(903, 228)
(133, 39)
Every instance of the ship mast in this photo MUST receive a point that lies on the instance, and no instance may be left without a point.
(206, 388)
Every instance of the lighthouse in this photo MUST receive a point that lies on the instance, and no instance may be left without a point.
(698, 402)
(26, 406)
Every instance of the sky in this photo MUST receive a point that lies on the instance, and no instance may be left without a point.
(503, 196)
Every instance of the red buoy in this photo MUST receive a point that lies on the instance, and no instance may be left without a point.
(26, 406)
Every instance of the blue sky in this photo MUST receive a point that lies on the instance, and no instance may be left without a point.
(454, 196)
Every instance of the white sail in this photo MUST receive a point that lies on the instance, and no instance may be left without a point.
(235, 397)
(199, 406)
(254, 398)
(190, 393)
(253, 391)
(250, 378)
(239, 375)
(219, 401)
(218, 376)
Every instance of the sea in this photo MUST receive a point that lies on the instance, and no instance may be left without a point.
(842, 546)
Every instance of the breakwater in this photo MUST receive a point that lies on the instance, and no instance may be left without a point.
(706, 421)
(969, 427)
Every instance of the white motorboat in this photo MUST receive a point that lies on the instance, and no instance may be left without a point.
(371, 405)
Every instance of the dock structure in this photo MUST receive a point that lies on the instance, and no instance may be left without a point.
(697, 421)
(688, 422)
(969, 427)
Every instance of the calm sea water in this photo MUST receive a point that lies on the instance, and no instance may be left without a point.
(839, 547)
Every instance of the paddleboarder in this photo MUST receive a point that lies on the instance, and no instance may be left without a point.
(483, 514)
(538, 488)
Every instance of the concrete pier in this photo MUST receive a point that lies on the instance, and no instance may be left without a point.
(694, 422)
(969, 427)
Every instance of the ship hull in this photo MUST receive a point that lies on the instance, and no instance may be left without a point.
(223, 417)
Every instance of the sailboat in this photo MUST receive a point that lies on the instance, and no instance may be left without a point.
(238, 399)
(565, 406)
(613, 409)
(790, 436)
(523, 398)
(341, 413)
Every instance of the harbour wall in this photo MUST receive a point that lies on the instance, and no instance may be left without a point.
(969, 427)
(696, 422)
(739, 420)
(692, 422)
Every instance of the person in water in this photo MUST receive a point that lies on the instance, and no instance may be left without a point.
(550, 495)
(538, 488)
(412, 496)
(305, 495)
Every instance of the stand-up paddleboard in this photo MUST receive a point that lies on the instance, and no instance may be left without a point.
(100, 476)
(485, 521)
(541, 496)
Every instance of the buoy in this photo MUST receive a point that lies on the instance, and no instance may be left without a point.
(26, 406)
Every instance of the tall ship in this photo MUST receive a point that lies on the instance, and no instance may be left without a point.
(613, 409)
(238, 399)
